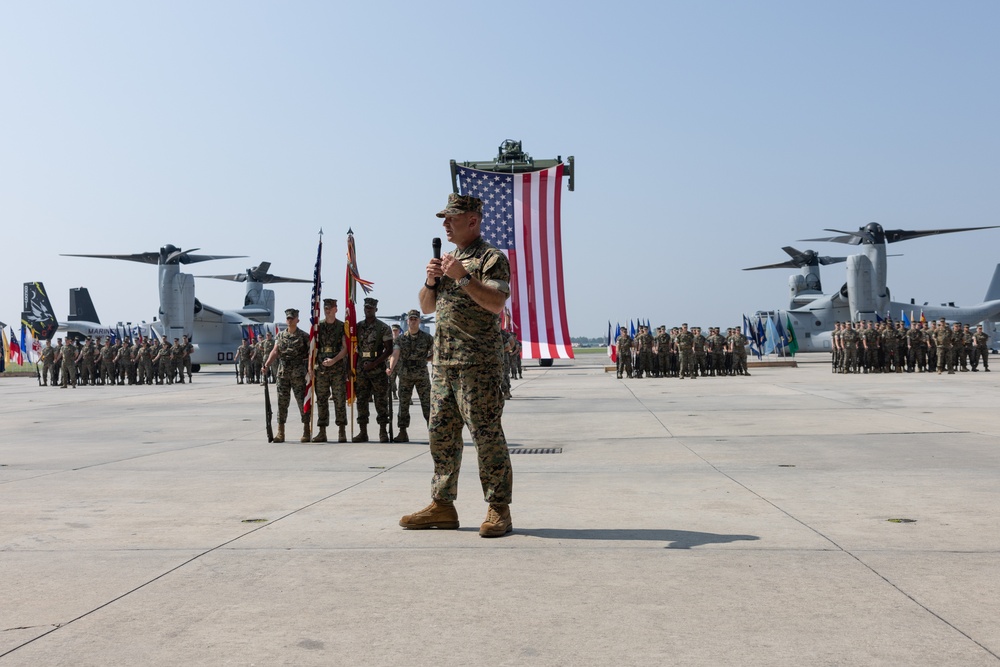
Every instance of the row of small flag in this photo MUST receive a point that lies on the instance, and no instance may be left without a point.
(14, 350)
(24, 348)
(766, 335)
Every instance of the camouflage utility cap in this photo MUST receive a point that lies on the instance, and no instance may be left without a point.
(291, 312)
(413, 314)
(459, 204)
(329, 302)
(370, 301)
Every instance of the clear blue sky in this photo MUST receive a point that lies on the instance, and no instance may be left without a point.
(707, 135)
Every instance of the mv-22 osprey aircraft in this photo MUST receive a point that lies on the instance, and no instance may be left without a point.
(215, 333)
(865, 295)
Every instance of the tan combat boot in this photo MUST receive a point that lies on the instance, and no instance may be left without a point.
(342, 436)
(280, 435)
(321, 436)
(401, 436)
(439, 514)
(362, 435)
(383, 434)
(306, 433)
(497, 522)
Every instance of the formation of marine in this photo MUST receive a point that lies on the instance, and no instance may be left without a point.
(682, 352)
(249, 358)
(887, 347)
(96, 362)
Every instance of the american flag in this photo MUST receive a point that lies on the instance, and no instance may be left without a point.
(521, 217)
(313, 325)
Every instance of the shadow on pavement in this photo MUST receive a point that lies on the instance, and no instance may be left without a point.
(679, 539)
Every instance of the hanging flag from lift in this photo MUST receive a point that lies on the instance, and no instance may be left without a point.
(521, 217)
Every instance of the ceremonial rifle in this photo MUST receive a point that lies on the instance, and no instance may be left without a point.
(267, 409)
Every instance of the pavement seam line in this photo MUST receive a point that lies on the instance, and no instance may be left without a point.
(817, 532)
(128, 458)
(206, 552)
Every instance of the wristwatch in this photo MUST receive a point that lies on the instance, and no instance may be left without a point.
(464, 280)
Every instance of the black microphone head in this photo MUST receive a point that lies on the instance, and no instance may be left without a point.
(436, 244)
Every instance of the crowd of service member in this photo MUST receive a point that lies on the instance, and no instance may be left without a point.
(887, 347)
(681, 353)
(250, 358)
(102, 362)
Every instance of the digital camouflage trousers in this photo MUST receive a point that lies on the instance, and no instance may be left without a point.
(469, 396)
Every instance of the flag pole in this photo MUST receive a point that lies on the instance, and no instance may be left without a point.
(313, 333)
(352, 280)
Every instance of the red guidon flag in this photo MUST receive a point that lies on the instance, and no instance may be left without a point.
(521, 217)
(350, 315)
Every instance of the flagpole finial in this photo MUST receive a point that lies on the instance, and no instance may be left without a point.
(350, 232)
(321, 231)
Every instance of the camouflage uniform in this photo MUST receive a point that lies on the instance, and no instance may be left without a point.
(663, 352)
(48, 356)
(849, 338)
(914, 346)
(739, 346)
(56, 363)
(699, 352)
(372, 336)
(624, 347)
(644, 343)
(718, 350)
(330, 380)
(177, 361)
(517, 359)
(243, 359)
(188, 351)
(465, 388)
(88, 367)
(965, 353)
(870, 339)
(293, 351)
(957, 345)
(414, 351)
(265, 351)
(685, 354)
(513, 352)
(125, 363)
(394, 374)
(144, 364)
(980, 349)
(68, 354)
(508, 346)
(166, 363)
(942, 342)
(107, 364)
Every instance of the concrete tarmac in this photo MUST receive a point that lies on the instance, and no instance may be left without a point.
(717, 521)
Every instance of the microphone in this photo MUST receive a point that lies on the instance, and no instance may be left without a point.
(436, 245)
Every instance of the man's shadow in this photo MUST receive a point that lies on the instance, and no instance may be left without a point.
(678, 539)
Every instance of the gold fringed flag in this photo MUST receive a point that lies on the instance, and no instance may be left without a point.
(353, 279)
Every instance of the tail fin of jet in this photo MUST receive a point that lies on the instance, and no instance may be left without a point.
(37, 313)
(81, 308)
(993, 293)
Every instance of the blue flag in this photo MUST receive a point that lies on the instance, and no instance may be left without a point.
(773, 340)
(24, 344)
